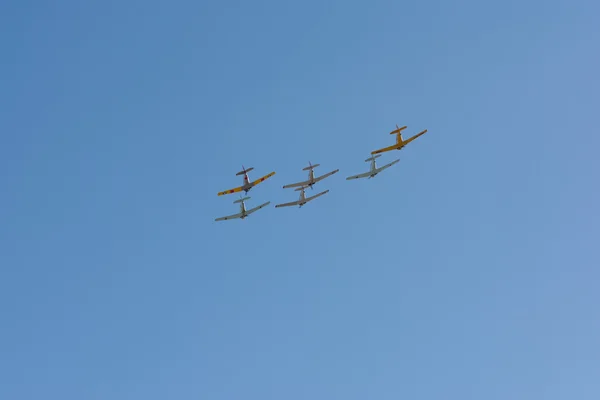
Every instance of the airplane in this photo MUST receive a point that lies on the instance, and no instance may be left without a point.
(311, 177)
(303, 199)
(400, 143)
(373, 170)
(243, 212)
(247, 184)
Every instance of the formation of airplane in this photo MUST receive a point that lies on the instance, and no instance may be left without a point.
(243, 212)
(400, 143)
(312, 180)
(373, 171)
(247, 184)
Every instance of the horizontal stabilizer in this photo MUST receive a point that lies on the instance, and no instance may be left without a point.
(372, 158)
(244, 171)
(300, 188)
(310, 167)
(240, 200)
(398, 130)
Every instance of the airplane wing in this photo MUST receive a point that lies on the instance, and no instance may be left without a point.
(316, 195)
(257, 208)
(296, 184)
(387, 166)
(358, 176)
(234, 216)
(416, 136)
(325, 175)
(264, 178)
(235, 190)
(293, 203)
(392, 147)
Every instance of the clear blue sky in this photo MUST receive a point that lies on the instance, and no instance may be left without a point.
(469, 270)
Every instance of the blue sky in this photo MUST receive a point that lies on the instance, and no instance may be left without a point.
(468, 270)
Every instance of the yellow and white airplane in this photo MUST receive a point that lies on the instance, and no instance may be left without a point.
(247, 184)
(400, 143)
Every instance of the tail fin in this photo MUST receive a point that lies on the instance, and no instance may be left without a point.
(373, 158)
(310, 166)
(244, 170)
(240, 200)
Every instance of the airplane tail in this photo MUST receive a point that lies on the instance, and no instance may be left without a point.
(310, 166)
(372, 158)
(398, 130)
(301, 188)
(240, 200)
(244, 170)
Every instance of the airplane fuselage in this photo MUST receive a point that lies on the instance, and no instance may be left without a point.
(373, 169)
(302, 198)
(247, 185)
(311, 179)
(243, 210)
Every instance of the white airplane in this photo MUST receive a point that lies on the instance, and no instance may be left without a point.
(243, 212)
(373, 170)
(303, 199)
(311, 177)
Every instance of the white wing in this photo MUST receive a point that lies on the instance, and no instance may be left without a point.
(296, 184)
(315, 196)
(257, 208)
(234, 216)
(325, 175)
(293, 203)
(386, 166)
(359, 176)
